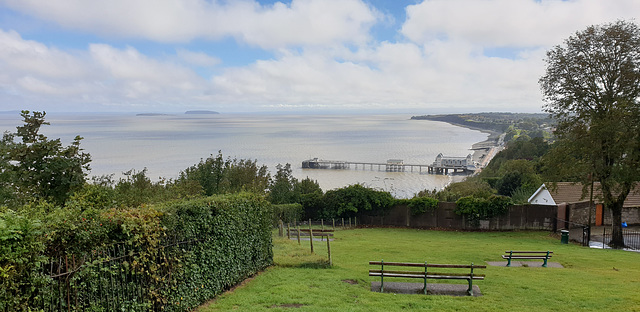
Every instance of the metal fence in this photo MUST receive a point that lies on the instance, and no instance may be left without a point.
(631, 238)
(106, 280)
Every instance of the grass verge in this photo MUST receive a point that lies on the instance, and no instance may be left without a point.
(591, 280)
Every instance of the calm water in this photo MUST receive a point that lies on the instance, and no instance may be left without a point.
(165, 145)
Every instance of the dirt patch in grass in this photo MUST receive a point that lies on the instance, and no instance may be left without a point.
(350, 281)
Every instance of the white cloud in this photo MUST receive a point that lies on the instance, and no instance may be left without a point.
(303, 22)
(510, 23)
(324, 54)
(33, 57)
(197, 58)
(103, 75)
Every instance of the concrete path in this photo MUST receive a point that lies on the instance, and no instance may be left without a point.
(432, 289)
(529, 264)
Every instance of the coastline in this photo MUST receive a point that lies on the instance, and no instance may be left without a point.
(485, 150)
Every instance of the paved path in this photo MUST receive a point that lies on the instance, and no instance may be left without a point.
(530, 264)
(432, 288)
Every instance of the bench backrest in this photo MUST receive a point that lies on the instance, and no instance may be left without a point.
(529, 252)
(428, 265)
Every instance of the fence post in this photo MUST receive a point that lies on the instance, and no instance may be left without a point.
(311, 238)
(280, 228)
(298, 234)
(288, 231)
(334, 224)
(329, 250)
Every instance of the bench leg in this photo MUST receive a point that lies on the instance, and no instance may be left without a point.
(544, 265)
(425, 286)
(470, 290)
(509, 262)
(382, 282)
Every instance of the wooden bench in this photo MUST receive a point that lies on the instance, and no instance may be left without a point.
(527, 255)
(384, 271)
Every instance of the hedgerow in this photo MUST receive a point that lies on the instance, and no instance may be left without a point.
(169, 257)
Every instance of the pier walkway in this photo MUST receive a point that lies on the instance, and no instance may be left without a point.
(392, 165)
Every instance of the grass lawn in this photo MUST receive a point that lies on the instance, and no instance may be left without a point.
(592, 279)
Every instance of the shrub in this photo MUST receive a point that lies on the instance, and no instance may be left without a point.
(420, 205)
(477, 208)
(21, 259)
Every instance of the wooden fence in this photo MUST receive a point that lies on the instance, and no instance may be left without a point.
(518, 217)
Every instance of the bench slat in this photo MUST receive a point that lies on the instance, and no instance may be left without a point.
(513, 251)
(397, 264)
(429, 265)
(429, 276)
(525, 257)
(422, 273)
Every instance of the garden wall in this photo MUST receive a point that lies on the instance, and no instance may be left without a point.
(579, 213)
(519, 217)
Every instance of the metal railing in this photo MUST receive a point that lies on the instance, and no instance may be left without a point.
(631, 238)
(105, 280)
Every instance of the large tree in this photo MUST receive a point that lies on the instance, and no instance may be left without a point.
(592, 89)
(37, 168)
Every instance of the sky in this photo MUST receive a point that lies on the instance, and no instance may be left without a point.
(422, 57)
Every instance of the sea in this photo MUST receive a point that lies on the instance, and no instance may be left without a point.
(166, 144)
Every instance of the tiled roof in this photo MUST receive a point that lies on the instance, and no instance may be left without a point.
(570, 192)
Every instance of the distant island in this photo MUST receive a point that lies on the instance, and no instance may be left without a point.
(200, 112)
(152, 114)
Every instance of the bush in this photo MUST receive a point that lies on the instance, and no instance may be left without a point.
(420, 205)
(477, 208)
(355, 199)
(21, 259)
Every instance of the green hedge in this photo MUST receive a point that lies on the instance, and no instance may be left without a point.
(235, 234)
(171, 257)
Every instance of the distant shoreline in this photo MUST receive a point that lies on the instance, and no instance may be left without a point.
(483, 151)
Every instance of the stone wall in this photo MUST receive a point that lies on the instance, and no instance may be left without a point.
(579, 214)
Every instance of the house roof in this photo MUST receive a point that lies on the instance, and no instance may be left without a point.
(571, 192)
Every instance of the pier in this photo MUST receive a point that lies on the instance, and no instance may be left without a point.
(442, 165)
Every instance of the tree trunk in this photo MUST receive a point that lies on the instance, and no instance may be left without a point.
(617, 241)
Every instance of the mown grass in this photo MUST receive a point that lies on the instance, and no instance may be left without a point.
(591, 280)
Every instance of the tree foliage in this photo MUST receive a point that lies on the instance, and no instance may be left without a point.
(476, 209)
(353, 199)
(37, 168)
(219, 176)
(592, 88)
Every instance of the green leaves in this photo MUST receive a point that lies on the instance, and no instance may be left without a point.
(39, 168)
(420, 205)
(477, 208)
(592, 88)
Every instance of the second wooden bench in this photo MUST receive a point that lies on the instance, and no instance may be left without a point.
(527, 255)
(384, 271)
